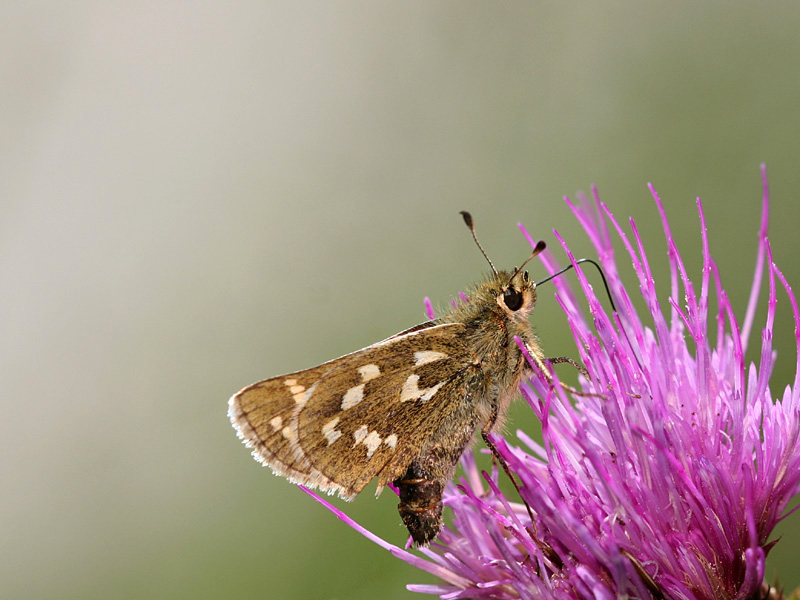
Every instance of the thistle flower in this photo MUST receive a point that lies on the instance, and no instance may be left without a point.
(665, 477)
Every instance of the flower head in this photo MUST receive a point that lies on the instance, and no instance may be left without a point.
(665, 476)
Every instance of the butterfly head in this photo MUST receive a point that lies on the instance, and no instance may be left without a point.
(517, 293)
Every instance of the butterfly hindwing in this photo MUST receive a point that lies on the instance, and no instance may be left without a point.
(366, 414)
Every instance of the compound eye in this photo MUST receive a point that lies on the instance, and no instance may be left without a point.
(512, 299)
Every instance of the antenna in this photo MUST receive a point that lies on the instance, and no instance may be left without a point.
(471, 225)
(540, 246)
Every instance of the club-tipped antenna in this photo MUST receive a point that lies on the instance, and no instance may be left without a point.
(577, 262)
(540, 246)
(471, 225)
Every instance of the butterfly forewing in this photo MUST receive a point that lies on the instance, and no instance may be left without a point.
(263, 415)
(367, 414)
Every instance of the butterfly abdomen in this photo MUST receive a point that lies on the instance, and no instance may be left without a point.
(420, 503)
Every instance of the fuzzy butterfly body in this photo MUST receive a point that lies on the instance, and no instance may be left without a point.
(402, 410)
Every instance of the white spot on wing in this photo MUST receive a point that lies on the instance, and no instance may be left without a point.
(372, 441)
(289, 434)
(411, 390)
(353, 396)
(302, 395)
(369, 372)
(328, 430)
(427, 356)
(290, 382)
(391, 441)
(429, 392)
(359, 434)
(276, 423)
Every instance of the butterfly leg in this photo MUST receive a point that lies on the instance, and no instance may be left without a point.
(485, 431)
(558, 360)
(566, 359)
(547, 550)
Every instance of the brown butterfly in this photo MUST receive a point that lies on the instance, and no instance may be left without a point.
(402, 410)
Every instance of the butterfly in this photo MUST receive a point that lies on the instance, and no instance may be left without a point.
(402, 410)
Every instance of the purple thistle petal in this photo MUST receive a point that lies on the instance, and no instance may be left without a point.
(759, 270)
(667, 475)
(429, 309)
(438, 590)
(412, 559)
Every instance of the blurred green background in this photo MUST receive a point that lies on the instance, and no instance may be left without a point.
(196, 196)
